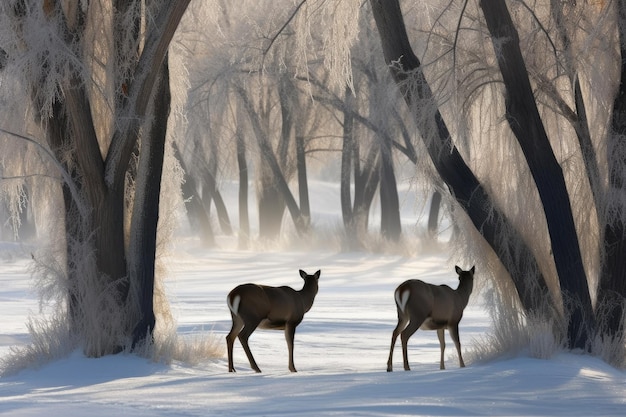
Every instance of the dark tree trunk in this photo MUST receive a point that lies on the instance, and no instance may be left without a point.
(507, 243)
(145, 216)
(433, 214)
(244, 220)
(525, 122)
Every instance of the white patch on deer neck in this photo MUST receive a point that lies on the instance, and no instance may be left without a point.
(402, 299)
(234, 307)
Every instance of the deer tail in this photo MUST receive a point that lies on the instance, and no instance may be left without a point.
(402, 297)
(233, 305)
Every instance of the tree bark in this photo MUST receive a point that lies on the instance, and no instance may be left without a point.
(145, 216)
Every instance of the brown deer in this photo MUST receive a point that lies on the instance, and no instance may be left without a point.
(253, 306)
(430, 307)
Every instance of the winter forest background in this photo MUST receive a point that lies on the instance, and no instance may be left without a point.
(507, 119)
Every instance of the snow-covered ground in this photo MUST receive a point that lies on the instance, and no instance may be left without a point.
(341, 351)
(341, 347)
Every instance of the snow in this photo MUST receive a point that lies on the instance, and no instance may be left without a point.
(341, 350)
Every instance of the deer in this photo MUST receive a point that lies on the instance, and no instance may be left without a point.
(430, 307)
(280, 308)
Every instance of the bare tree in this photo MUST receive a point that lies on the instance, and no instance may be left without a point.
(551, 262)
(100, 103)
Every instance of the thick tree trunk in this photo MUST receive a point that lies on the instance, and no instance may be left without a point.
(525, 122)
(145, 217)
(507, 243)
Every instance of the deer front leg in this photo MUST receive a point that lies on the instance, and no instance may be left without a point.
(290, 333)
(442, 346)
(454, 334)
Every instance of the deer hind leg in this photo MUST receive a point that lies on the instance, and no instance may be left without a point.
(230, 340)
(442, 346)
(403, 320)
(244, 335)
(454, 334)
(404, 337)
(290, 332)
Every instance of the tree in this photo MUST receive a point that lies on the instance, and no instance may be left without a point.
(552, 280)
(101, 105)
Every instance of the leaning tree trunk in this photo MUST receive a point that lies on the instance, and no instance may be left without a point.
(525, 122)
(497, 230)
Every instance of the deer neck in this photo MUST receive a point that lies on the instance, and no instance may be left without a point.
(465, 289)
(307, 294)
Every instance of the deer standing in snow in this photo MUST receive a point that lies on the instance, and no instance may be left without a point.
(253, 306)
(430, 307)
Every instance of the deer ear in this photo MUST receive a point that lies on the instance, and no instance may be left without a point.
(302, 274)
(317, 274)
(458, 270)
(472, 270)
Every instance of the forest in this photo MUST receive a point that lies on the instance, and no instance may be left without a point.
(507, 117)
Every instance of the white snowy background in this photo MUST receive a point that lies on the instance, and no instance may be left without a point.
(341, 347)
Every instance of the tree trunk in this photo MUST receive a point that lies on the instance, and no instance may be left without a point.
(145, 216)
(197, 215)
(525, 122)
(347, 154)
(505, 240)
(244, 220)
(303, 184)
(433, 214)
(390, 226)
